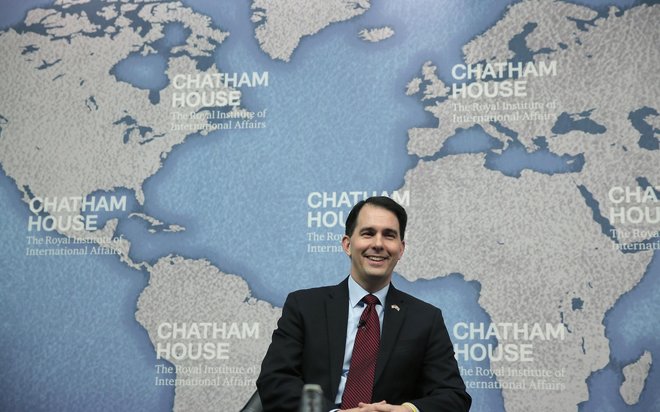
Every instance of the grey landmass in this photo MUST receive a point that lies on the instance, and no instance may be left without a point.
(185, 291)
(413, 86)
(433, 87)
(174, 228)
(635, 376)
(532, 242)
(606, 70)
(61, 25)
(282, 23)
(69, 127)
(156, 225)
(533, 246)
(67, 3)
(377, 34)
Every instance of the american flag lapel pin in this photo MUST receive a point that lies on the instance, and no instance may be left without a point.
(396, 307)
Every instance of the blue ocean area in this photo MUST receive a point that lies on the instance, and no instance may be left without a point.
(70, 341)
(242, 197)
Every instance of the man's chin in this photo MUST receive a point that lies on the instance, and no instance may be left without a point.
(378, 276)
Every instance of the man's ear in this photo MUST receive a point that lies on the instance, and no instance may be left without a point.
(346, 244)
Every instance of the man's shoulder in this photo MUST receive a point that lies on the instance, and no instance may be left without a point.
(320, 292)
(412, 301)
(317, 291)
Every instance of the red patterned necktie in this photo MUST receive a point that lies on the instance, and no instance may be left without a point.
(360, 382)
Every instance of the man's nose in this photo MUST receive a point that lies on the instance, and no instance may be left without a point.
(378, 241)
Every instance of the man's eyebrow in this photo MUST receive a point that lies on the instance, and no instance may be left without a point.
(385, 230)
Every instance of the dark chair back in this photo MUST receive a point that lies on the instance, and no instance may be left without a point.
(254, 404)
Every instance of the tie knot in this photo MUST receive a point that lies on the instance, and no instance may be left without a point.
(370, 300)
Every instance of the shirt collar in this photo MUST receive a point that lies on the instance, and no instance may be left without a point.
(356, 292)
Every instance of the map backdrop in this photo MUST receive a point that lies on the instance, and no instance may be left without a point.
(171, 170)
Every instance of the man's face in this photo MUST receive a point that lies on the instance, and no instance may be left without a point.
(375, 247)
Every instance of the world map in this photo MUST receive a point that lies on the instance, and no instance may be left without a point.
(171, 170)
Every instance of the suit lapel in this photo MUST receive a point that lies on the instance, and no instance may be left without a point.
(336, 306)
(395, 314)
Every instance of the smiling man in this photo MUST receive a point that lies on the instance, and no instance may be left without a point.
(368, 345)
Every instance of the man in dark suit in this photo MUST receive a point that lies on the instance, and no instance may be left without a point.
(395, 346)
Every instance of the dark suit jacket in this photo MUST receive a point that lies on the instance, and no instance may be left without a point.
(415, 362)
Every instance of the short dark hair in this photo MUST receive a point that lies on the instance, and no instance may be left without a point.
(380, 201)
